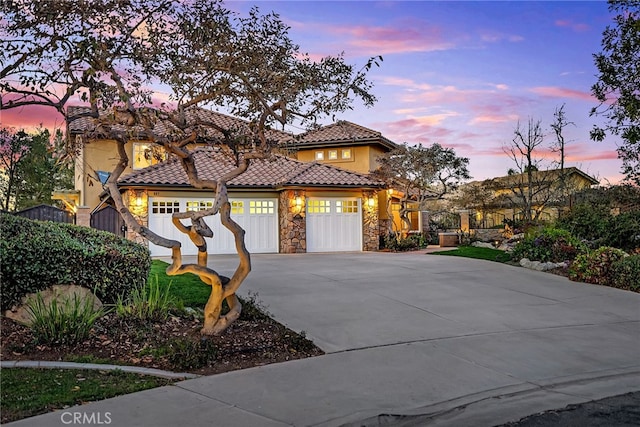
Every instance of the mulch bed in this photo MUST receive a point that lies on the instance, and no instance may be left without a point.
(174, 344)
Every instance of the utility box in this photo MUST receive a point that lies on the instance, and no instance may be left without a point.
(448, 239)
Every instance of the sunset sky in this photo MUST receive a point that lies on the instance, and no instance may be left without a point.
(458, 73)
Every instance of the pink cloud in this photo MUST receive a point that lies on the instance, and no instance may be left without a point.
(494, 37)
(494, 118)
(601, 155)
(560, 92)
(31, 117)
(406, 36)
(575, 26)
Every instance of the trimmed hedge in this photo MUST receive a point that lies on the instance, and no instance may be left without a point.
(35, 255)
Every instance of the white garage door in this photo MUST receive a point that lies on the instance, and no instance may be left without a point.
(334, 224)
(258, 217)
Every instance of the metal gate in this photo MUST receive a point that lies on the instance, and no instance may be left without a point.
(108, 219)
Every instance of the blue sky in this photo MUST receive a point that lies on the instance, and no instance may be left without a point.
(463, 73)
(458, 73)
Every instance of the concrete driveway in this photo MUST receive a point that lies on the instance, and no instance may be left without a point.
(412, 339)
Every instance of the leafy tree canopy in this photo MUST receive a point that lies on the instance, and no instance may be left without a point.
(30, 168)
(113, 53)
(618, 86)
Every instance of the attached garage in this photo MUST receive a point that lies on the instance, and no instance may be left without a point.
(285, 206)
(334, 224)
(258, 216)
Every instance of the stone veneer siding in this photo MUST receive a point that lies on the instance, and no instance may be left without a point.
(140, 213)
(370, 222)
(293, 223)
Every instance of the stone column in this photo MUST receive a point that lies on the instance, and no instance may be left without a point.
(293, 222)
(370, 221)
(83, 216)
(464, 220)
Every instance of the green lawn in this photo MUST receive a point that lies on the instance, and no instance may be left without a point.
(185, 287)
(478, 253)
(28, 392)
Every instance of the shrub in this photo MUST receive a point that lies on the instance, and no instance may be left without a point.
(623, 231)
(147, 302)
(600, 227)
(35, 255)
(596, 267)
(625, 273)
(548, 245)
(411, 242)
(68, 323)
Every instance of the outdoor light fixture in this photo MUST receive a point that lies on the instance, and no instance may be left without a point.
(371, 202)
(298, 198)
(139, 195)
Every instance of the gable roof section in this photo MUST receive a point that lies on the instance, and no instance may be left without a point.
(342, 133)
(540, 176)
(163, 128)
(277, 173)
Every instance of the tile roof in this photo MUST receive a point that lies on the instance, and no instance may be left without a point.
(164, 127)
(279, 172)
(343, 132)
(538, 176)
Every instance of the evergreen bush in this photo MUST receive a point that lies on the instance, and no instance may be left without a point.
(625, 273)
(596, 266)
(35, 255)
(548, 245)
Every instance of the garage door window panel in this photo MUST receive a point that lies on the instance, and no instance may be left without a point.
(347, 206)
(165, 207)
(319, 206)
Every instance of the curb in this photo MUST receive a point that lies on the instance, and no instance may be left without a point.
(95, 366)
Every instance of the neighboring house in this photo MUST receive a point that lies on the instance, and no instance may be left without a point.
(508, 197)
(285, 205)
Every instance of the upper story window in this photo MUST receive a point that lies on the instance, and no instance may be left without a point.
(145, 154)
(346, 154)
(319, 155)
(333, 154)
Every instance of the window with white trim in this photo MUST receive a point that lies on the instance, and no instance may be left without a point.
(261, 207)
(346, 154)
(333, 154)
(347, 206)
(319, 206)
(319, 155)
(165, 207)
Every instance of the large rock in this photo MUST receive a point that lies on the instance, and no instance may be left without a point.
(483, 245)
(541, 266)
(60, 293)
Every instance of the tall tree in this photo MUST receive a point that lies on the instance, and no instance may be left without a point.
(421, 174)
(618, 86)
(32, 170)
(13, 148)
(527, 187)
(108, 52)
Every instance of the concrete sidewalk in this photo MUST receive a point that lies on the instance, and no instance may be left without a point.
(457, 341)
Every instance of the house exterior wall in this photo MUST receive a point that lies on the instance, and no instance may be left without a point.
(363, 157)
(99, 155)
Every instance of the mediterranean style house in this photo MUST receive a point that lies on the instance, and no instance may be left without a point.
(318, 197)
(506, 197)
